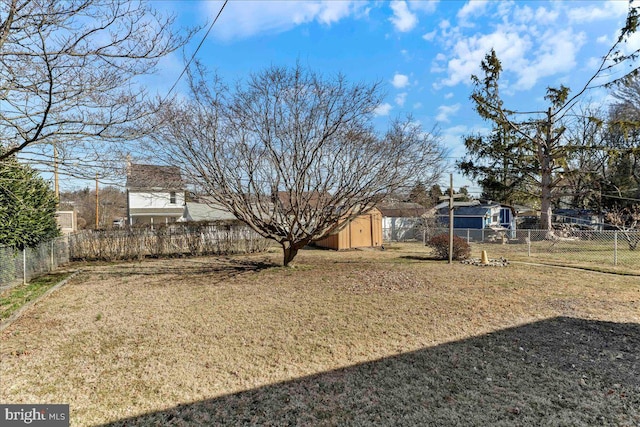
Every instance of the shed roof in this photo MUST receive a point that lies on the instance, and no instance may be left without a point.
(154, 176)
(402, 210)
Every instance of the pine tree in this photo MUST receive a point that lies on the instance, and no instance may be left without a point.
(27, 206)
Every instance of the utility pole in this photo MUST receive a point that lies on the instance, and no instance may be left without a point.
(451, 197)
(56, 187)
(450, 218)
(97, 203)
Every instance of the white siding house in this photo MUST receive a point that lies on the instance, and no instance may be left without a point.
(155, 194)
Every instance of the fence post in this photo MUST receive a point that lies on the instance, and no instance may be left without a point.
(468, 239)
(24, 266)
(483, 235)
(53, 246)
(615, 248)
(529, 243)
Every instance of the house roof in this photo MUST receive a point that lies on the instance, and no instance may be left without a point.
(154, 176)
(456, 205)
(206, 212)
(313, 199)
(472, 208)
(479, 210)
(402, 210)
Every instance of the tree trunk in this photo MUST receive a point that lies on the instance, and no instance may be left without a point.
(289, 251)
(545, 201)
(546, 177)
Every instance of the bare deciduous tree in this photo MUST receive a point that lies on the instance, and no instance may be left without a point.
(68, 75)
(627, 220)
(293, 154)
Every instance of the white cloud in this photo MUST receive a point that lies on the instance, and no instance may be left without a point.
(401, 98)
(556, 54)
(445, 111)
(472, 9)
(469, 52)
(546, 16)
(400, 80)
(633, 43)
(430, 35)
(417, 105)
(247, 18)
(610, 9)
(383, 109)
(448, 95)
(403, 19)
(528, 42)
(425, 6)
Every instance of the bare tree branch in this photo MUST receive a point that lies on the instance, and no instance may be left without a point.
(69, 72)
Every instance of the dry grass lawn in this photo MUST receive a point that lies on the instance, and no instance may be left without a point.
(353, 338)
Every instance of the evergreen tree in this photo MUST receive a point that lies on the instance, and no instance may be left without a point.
(544, 144)
(27, 206)
(419, 194)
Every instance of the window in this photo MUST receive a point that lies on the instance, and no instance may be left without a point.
(172, 197)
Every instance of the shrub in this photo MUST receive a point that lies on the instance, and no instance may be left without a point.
(440, 246)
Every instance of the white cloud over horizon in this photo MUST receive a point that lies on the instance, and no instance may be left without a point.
(445, 111)
(400, 80)
(276, 16)
(403, 19)
(527, 41)
(383, 109)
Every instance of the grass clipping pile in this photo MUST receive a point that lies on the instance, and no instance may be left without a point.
(356, 338)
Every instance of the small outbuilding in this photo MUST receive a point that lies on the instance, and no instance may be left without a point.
(365, 231)
(402, 220)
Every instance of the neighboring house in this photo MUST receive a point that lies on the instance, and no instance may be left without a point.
(155, 194)
(209, 211)
(580, 217)
(478, 214)
(365, 231)
(67, 221)
(402, 220)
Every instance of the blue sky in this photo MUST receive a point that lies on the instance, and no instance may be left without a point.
(423, 51)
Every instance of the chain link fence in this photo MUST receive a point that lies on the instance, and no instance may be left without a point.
(22, 266)
(562, 247)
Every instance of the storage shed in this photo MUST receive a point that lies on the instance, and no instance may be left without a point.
(365, 231)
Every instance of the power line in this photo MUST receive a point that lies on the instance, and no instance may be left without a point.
(621, 198)
(186, 67)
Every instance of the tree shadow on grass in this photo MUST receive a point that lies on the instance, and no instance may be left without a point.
(560, 371)
(422, 258)
(223, 267)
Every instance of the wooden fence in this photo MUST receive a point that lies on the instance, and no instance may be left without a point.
(172, 240)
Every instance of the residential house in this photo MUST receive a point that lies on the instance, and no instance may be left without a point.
(478, 214)
(577, 217)
(401, 220)
(67, 221)
(155, 194)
